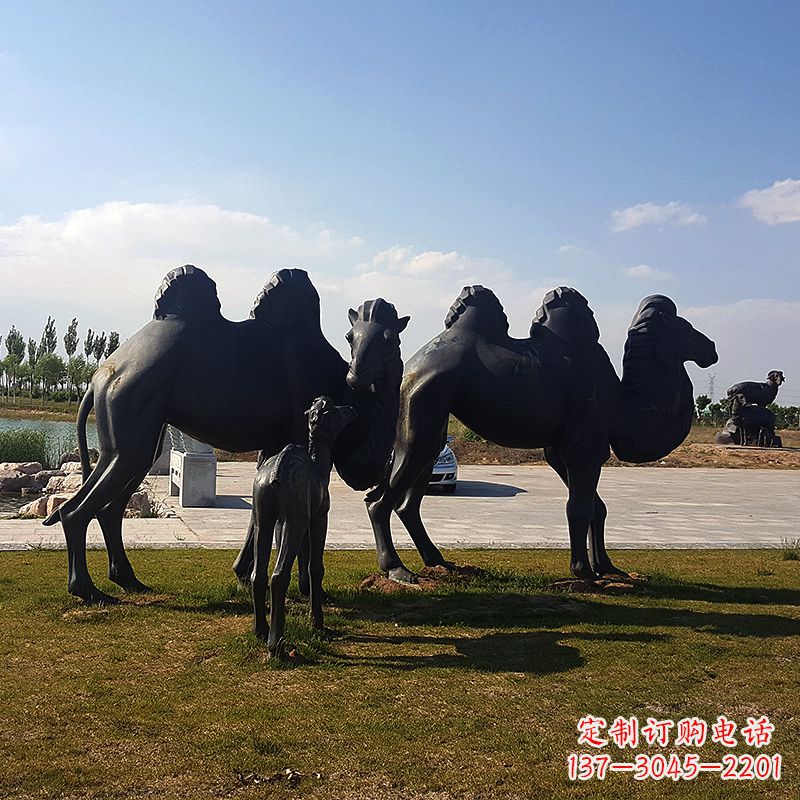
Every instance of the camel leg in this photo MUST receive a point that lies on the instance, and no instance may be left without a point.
(293, 533)
(243, 565)
(106, 483)
(79, 582)
(598, 557)
(264, 519)
(303, 568)
(581, 485)
(600, 560)
(317, 533)
(423, 417)
(120, 570)
(409, 513)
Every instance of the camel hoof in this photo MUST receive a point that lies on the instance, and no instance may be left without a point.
(584, 572)
(91, 595)
(403, 575)
(612, 573)
(131, 584)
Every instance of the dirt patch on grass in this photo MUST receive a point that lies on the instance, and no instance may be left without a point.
(429, 578)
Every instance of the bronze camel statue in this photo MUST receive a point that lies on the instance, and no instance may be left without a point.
(238, 386)
(291, 499)
(556, 389)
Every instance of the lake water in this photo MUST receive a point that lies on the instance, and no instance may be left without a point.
(63, 433)
(57, 431)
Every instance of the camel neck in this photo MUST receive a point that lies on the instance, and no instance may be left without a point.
(321, 458)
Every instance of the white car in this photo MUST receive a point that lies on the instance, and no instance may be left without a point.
(445, 471)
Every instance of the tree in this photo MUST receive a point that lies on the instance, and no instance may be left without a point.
(702, 402)
(113, 343)
(99, 346)
(52, 370)
(71, 338)
(49, 340)
(76, 375)
(32, 359)
(88, 343)
(15, 344)
(10, 368)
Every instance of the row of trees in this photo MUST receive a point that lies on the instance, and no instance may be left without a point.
(37, 370)
(717, 414)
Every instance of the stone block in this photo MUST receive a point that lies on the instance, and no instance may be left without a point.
(193, 478)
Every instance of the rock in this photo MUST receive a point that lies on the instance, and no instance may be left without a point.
(71, 466)
(25, 467)
(13, 481)
(140, 505)
(55, 501)
(67, 458)
(41, 479)
(68, 483)
(36, 508)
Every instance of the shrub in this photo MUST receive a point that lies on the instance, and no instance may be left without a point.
(24, 445)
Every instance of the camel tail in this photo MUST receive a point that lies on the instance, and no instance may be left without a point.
(83, 446)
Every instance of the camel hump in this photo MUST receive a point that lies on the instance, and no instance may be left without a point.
(186, 293)
(491, 317)
(566, 312)
(381, 311)
(288, 300)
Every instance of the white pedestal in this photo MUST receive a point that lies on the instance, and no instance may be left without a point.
(193, 478)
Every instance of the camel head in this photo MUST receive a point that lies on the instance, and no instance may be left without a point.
(673, 337)
(374, 340)
(776, 376)
(326, 420)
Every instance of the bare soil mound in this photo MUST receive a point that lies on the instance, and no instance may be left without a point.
(429, 578)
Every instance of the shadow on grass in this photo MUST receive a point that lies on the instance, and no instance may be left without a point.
(668, 589)
(516, 610)
(535, 652)
(499, 610)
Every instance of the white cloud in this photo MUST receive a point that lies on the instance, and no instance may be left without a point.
(406, 261)
(673, 214)
(645, 271)
(105, 263)
(570, 249)
(777, 204)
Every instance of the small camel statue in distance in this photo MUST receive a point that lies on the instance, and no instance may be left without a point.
(291, 489)
(755, 393)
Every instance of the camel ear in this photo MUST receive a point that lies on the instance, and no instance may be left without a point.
(353, 316)
(401, 324)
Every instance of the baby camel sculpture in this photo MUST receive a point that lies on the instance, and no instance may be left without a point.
(291, 489)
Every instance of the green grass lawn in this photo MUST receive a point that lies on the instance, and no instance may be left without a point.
(471, 691)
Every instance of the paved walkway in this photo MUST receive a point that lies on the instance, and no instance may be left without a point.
(511, 507)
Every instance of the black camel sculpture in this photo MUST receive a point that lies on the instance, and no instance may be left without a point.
(238, 386)
(556, 389)
(755, 393)
(291, 499)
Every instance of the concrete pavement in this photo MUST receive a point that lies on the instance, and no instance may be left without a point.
(511, 507)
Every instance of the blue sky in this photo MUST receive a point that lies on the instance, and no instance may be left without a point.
(406, 149)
